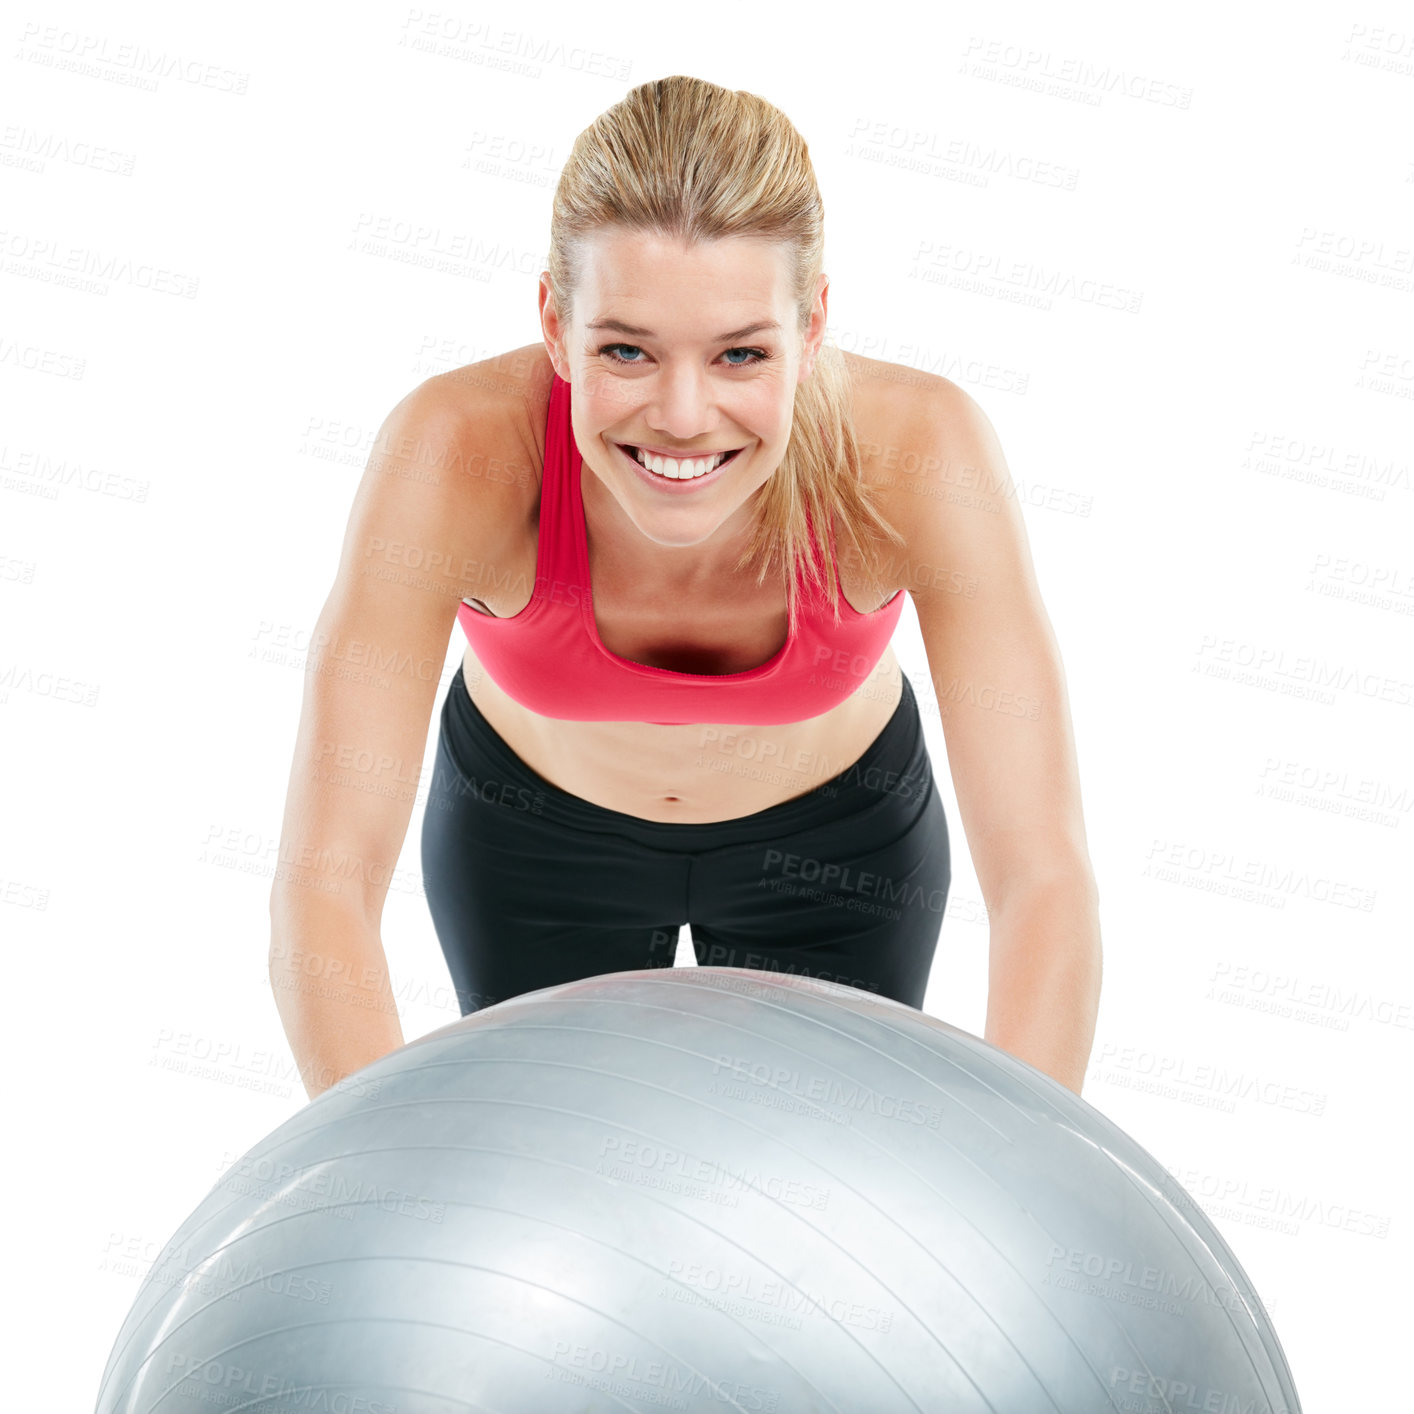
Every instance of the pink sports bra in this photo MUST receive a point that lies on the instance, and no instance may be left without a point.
(549, 657)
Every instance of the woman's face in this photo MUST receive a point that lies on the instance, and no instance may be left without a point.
(663, 355)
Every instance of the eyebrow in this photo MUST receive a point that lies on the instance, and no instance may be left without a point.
(621, 328)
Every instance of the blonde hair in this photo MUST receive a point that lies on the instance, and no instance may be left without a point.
(681, 157)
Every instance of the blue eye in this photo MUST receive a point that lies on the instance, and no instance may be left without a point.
(606, 347)
(755, 355)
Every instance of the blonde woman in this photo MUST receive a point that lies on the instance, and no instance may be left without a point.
(676, 536)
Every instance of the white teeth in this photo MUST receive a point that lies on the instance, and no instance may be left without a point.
(686, 470)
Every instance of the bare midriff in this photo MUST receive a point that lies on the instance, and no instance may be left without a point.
(690, 774)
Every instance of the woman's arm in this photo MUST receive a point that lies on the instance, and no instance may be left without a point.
(997, 674)
(424, 516)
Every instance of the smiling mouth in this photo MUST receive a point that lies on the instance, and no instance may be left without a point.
(678, 468)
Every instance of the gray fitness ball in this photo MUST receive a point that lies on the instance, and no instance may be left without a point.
(699, 1188)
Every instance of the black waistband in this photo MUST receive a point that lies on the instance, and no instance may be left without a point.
(893, 771)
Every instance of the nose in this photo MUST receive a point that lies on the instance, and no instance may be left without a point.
(679, 408)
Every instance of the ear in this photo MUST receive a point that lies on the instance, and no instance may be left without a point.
(552, 328)
(815, 330)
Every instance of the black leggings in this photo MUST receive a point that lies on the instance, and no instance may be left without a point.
(530, 886)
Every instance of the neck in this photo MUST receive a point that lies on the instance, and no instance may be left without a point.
(613, 539)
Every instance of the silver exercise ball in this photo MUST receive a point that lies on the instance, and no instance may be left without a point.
(698, 1188)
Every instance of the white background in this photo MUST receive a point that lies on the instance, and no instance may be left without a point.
(1217, 489)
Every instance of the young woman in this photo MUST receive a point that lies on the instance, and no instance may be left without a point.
(676, 537)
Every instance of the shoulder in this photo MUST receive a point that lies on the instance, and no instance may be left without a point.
(493, 401)
(475, 429)
(943, 482)
(910, 402)
(914, 429)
